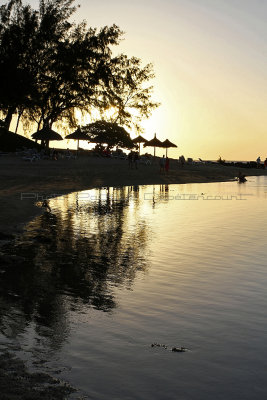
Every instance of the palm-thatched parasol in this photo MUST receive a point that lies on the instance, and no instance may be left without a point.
(155, 142)
(167, 144)
(139, 139)
(46, 135)
(77, 135)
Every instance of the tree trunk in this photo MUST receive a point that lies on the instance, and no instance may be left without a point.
(19, 116)
(47, 123)
(9, 116)
(39, 124)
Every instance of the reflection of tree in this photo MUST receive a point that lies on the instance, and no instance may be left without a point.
(73, 257)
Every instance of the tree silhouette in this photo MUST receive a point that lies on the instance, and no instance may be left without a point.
(18, 25)
(128, 91)
(108, 132)
(50, 67)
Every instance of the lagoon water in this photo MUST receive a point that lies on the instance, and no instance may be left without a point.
(115, 270)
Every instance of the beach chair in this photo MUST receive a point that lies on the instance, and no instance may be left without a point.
(30, 158)
(145, 160)
(30, 155)
(181, 161)
(190, 161)
(70, 156)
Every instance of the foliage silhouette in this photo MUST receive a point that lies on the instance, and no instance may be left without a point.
(108, 132)
(128, 93)
(50, 67)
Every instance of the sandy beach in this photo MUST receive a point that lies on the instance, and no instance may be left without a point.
(22, 182)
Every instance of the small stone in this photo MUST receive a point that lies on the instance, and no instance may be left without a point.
(11, 259)
(6, 236)
(179, 349)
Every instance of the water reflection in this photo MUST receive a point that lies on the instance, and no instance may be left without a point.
(91, 242)
(76, 293)
(73, 256)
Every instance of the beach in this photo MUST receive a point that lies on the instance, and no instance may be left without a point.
(24, 183)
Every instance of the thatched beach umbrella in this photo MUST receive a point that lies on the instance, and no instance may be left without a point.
(77, 135)
(46, 135)
(139, 139)
(155, 142)
(167, 144)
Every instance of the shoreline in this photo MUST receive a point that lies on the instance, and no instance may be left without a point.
(23, 182)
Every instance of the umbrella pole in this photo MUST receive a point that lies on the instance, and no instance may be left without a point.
(139, 148)
(77, 144)
(166, 152)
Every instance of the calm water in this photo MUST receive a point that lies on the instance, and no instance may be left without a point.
(111, 271)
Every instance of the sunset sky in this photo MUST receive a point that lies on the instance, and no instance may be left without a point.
(210, 59)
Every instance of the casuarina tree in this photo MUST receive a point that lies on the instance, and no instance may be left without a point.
(50, 67)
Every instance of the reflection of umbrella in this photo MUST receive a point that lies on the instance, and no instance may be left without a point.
(46, 135)
(77, 135)
(139, 139)
(154, 143)
(166, 144)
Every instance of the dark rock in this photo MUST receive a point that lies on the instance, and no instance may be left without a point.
(6, 236)
(42, 239)
(9, 259)
(159, 345)
(179, 349)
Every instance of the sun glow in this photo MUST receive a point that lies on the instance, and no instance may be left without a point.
(210, 72)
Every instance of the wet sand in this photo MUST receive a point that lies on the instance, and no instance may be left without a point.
(22, 183)
(17, 383)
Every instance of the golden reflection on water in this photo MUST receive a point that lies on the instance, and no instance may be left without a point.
(98, 239)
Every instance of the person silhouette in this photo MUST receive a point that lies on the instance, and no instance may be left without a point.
(162, 164)
(167, 165)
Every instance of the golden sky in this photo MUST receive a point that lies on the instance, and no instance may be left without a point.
(210, 59)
